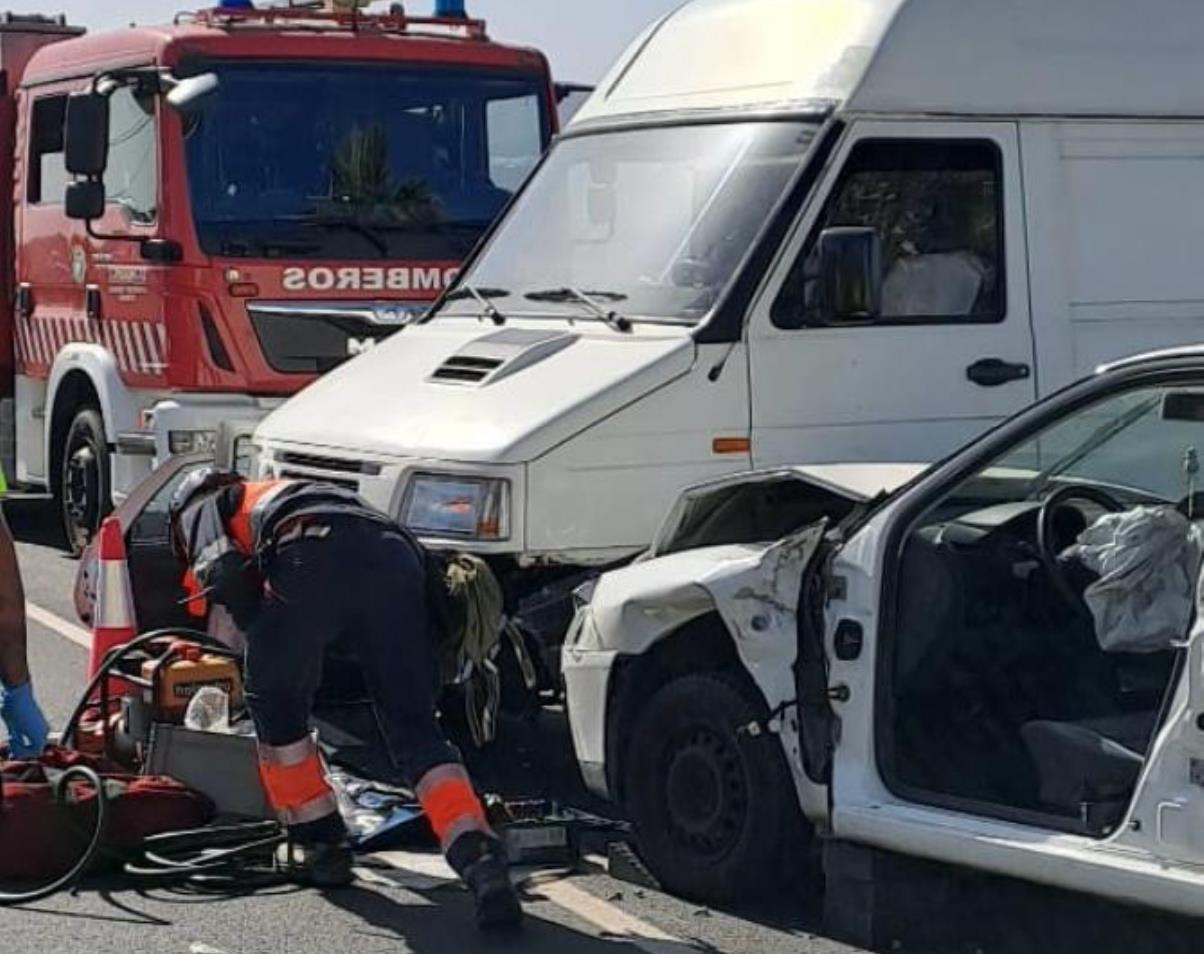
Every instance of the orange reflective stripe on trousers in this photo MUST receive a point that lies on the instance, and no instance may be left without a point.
(450, 803)
(294, 779)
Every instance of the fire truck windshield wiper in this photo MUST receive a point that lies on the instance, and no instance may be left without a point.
(482, 296)
(591, 300)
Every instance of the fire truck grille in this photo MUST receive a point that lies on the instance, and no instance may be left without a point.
(304, 339)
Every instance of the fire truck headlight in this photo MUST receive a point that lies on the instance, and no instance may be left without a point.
(467, 508)
(192, 442)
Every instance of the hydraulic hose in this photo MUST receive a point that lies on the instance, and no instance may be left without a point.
(229, 858)
(90, 853)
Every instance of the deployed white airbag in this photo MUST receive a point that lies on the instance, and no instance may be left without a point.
(1148, 560)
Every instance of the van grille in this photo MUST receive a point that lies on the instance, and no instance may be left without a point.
(465, 369)
(352, 485)
(326, 464)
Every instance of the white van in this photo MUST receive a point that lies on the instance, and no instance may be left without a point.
(785, 231)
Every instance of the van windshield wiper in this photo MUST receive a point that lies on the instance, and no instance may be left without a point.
(483, 297)
(591, 300)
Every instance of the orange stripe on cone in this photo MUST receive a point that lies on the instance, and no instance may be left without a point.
(113, 622)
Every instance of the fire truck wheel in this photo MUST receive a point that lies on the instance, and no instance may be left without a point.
(85, 497)
(713, 804)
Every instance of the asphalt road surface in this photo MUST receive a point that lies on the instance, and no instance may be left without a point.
(410, 902)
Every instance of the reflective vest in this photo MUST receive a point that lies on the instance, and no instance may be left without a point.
(246, 524)
(3, 483)
(239, 532)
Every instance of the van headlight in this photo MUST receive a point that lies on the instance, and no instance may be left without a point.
(470, 508)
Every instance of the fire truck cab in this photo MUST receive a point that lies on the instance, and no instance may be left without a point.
(208, 215)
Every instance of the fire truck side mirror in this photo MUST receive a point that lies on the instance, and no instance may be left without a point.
(191, 94)
(86, 135)
(85, 200)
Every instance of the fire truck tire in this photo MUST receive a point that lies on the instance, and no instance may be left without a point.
(84, 493)
(713, 804)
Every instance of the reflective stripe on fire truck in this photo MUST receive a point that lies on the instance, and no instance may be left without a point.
(140, 347)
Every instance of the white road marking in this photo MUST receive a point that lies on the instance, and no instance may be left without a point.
(426, 865)
(614, 922)
(43, 617)
(400, 878)
(421, 872)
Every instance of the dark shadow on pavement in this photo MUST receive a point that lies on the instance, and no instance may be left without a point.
(442, 921)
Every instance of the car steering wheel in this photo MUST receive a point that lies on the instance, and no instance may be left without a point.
(1046, 543)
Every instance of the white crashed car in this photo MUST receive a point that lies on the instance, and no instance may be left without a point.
(995, 666)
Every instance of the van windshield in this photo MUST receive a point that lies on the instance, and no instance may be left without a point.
(359, 161)
(653, 223)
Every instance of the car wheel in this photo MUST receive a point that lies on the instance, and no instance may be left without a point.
(85, 496)
(714, 808)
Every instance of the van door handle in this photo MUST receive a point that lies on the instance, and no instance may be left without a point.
(992, 372)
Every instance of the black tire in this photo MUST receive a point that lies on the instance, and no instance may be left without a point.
(84, 491)
(714, 809)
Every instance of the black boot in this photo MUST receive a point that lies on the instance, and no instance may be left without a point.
(320, 865)
(480, 861)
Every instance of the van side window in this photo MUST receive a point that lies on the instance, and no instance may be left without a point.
(132, 174)
(47, 175)
(936, 206)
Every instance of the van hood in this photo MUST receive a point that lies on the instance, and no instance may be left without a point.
(457, 390)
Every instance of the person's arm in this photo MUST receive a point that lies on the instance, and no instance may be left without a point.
(14, 663)
(27, 727)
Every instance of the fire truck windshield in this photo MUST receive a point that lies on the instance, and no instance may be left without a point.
(358, 161)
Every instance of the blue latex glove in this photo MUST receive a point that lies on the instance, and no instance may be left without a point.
(27, 727)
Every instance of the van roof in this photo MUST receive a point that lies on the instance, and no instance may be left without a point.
(951, 57)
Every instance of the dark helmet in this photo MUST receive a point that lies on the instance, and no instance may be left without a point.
(198, 483)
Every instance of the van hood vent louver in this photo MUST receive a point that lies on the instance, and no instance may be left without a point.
(499, 355)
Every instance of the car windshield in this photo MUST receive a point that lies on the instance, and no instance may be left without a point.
(362, 161)
(652, 222)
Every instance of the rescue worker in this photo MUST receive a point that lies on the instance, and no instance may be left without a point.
(27, 727)
(298, 564)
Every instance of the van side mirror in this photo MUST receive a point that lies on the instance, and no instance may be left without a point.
(85, 200)
(86, 134)
(850, 263)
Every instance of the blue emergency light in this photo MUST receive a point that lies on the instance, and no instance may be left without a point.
(237, 5)
(451, 8)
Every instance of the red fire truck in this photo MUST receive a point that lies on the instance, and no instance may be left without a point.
(206, 216)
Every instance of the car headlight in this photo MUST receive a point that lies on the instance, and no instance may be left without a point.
(471, 508)
(192, 442)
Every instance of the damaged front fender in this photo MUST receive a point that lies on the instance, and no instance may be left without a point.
(755, 591)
